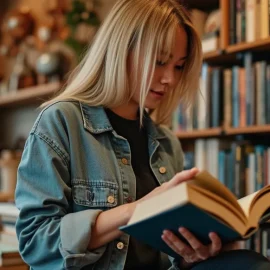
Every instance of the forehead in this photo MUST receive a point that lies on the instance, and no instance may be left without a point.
(176, 48)
(180, 45)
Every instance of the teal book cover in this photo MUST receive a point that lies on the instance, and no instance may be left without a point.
(197, 221)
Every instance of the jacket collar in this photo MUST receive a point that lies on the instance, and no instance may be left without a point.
(96, 121)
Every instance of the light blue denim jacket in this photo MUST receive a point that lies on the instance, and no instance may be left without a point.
(73, 168)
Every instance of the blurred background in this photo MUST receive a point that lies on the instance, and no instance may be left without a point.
(226, 132)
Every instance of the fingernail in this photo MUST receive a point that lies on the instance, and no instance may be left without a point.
(181, 230)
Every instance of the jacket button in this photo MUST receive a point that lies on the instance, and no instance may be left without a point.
(120, 245)
(124, 161)
(162, 170)
(110, 199)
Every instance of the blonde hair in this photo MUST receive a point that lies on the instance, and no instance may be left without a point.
(147, 27)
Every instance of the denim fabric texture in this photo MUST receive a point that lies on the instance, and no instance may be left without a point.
(73, 168)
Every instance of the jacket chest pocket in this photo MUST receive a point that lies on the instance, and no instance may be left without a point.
(95, 194)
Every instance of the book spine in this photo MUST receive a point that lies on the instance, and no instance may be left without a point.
(232, 22)
(249, 88)
(235, 96)
(215, 98)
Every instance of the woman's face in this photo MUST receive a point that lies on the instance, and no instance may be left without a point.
(166, 75)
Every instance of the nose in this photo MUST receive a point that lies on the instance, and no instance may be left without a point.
(168, 77)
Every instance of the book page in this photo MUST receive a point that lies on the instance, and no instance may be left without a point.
(221, 201)
(246, 202)
(207, 181)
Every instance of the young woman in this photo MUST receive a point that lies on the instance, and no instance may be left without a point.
(94, 152)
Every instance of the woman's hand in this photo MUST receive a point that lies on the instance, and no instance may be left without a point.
(176, 180)
(195, 251)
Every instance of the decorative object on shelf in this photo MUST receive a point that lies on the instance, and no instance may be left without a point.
(3, 86)
(83, 22)
(49, 64)
(56, 11)
(54, 57)
(22, 75)
(17, 25)
(9, 162)
(210, 39)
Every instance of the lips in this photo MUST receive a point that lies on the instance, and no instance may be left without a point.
(160, 93)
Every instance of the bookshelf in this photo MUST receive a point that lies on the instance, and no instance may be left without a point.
(29, 95)
(205, 133)
(15, 267)
(226, 56)
(222, 132)
(231, 53)
(258, 45)
(6, 197)
(237, 70)
(248, 130)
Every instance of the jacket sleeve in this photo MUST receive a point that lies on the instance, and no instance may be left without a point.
(50, 235)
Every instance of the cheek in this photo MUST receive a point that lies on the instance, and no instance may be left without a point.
(155, 78)
(136, 96)
(178, 76)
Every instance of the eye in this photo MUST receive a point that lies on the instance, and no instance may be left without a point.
(160, 63)
(180, 67)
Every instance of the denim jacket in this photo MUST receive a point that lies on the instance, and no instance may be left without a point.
(74, 166)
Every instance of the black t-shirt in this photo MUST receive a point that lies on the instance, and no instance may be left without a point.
(140, 256)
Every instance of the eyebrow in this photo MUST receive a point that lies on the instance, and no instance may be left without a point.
(180, 59)
(183, 58)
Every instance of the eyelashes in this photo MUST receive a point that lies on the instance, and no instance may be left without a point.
(161, 63)
(180, 67)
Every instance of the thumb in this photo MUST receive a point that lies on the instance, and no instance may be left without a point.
(182, 177)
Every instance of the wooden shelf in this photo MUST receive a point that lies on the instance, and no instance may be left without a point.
(15, 267)
(217, 132)
(29, 95)
(248, 130)
(220, 57)
(262, 44)
(212, 55)
(203, 5)
(6, 197)
(196, 134)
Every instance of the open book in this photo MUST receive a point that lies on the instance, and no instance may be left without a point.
(201, 205)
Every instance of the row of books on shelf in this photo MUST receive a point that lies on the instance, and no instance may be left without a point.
(249, 20)
(241, 166)
(238, 96)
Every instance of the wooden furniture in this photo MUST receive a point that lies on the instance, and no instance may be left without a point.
(15, 267)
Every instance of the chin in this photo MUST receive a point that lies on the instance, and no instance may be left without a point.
(151, 106)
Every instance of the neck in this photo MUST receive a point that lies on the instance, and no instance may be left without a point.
(126, 111)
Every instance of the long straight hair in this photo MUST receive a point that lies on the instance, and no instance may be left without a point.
(147, 28)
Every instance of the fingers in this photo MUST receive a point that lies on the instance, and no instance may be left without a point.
(216, 245)
(201, 250)
(194, 251)
(179, 247)
(182, 176)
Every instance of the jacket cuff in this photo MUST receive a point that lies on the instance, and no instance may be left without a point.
(75, 233)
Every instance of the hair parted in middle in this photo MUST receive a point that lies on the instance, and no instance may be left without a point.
(146, 28)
